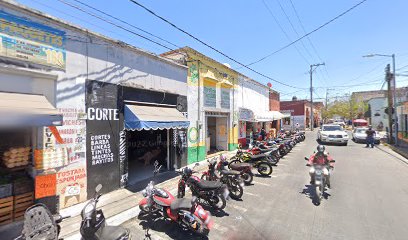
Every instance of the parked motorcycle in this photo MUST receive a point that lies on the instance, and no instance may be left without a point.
(214, 193)
(259, 161)
(93, 225)
(229, 177)
(40, 224)
(186, 212)
(320, 180)
(245, 169)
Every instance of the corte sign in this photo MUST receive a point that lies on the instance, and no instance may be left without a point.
(103, 114)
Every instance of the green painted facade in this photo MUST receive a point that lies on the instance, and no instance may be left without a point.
(232, 146)
(196, 154)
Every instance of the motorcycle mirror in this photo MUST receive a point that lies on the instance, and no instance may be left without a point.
(306, 158)
(98, 188)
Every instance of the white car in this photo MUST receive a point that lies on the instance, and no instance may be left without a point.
(332, 133)
(359, 135)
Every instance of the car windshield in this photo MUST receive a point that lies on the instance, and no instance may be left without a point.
(361, 130)
(332, 128)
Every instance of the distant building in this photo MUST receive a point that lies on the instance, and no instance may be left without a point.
(402, 94)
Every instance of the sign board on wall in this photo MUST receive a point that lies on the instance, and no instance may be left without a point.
(102, 136)
(71, 185)
(45, 186)
(210, 96)
(225, 98)
(29, 41)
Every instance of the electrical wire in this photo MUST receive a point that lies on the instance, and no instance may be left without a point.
(209, 46)
(307, 34)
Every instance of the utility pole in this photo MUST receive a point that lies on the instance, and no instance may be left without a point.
(311, 93)
(394, 89)
(388, 78)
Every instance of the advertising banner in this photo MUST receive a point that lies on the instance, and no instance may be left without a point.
(28, 41)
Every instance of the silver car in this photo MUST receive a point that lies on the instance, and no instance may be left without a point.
(359, 135)
(332, 133)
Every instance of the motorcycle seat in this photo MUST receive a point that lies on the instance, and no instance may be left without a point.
(230, 172)
(113, 232)
(209, 185)
(181, 203)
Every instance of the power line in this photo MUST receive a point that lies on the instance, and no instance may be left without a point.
(307, 34)
(114, 24)
(209, 46)
(124, 22)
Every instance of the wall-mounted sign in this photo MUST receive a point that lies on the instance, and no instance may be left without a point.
(210, 96)
(225, 98)
(29, 41)
(45, 185)
(246, 114)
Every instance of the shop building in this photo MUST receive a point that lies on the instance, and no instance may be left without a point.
(212, 104)
(96, 105)
(299, 111)
(255, 101)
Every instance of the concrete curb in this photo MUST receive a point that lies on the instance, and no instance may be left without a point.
(402, 156)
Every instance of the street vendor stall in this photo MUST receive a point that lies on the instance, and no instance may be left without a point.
(22, 116)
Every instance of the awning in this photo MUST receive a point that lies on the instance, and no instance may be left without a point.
(139, 117)
(269, 116)
(30, 110)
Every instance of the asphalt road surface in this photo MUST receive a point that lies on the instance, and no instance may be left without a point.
(368, 200)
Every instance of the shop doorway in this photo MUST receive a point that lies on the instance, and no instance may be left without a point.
(217, 134)
(144, 148)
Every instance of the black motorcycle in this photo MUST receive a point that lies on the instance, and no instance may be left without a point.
(214, 193)
(229, 177)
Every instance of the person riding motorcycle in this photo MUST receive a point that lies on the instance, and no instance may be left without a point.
(321, 157)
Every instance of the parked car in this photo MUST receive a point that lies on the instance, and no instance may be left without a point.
(341, 123)
(332, 133)
(359, 135)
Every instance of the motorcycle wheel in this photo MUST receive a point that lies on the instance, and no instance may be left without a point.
(264, 168)
(236, 191)
(218, 202)
(247, 178)
(235, 160)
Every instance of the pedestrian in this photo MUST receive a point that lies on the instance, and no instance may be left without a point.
(370, 137)
(262, 134)
(297, 127)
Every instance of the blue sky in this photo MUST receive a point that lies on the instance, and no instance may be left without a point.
(247, 31)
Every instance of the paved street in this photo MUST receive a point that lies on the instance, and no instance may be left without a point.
(368, 200)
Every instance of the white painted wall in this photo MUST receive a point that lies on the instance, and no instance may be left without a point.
(252, 95)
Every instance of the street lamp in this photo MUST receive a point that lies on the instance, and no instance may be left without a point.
(393, 89)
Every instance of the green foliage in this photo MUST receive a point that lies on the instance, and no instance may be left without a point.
(348, 108)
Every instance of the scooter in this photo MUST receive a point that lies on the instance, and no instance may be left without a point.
(229, 177)
(40, 224)
(214, 193)
(93, 225)
(186, 212)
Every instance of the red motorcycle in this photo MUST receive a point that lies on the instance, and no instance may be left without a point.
(186, 212)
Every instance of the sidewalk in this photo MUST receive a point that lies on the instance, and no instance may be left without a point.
(400, 152)
(401, 149)
(122, 205)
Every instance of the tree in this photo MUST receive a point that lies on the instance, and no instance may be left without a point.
(347, 107)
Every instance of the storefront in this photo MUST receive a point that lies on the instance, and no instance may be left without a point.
(246, 126)
(26, 163)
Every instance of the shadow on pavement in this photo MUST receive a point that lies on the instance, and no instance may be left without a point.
(310, 192)
(156, 222)
(139, 186)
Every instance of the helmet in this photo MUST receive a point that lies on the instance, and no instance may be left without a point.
(321, 148)
(187, 171)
